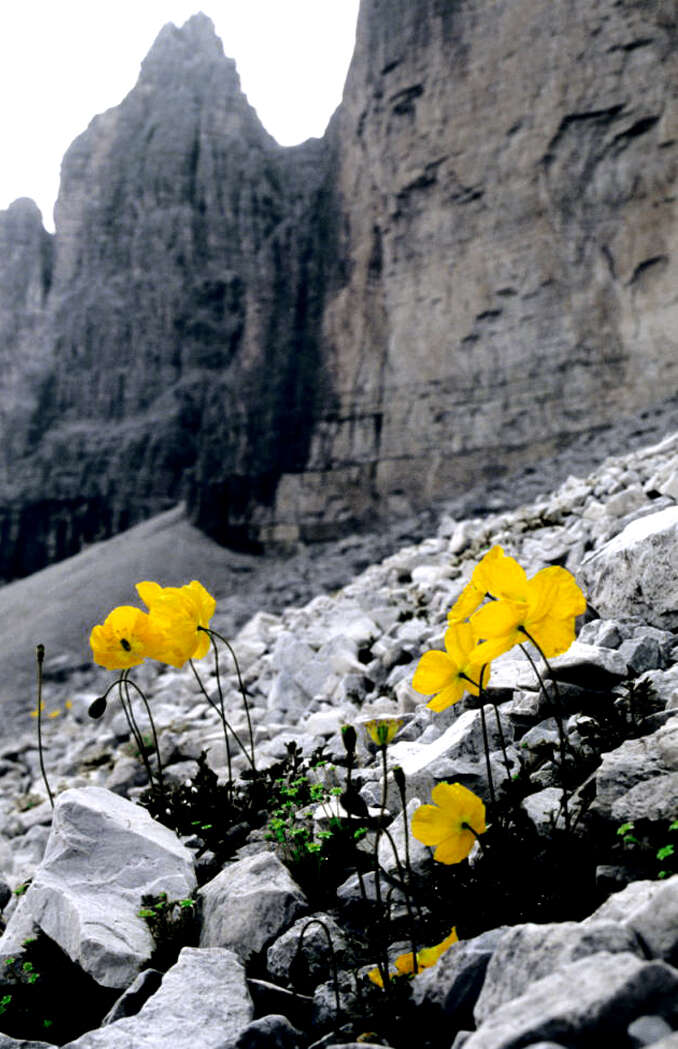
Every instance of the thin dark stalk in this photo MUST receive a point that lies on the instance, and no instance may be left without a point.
(220, 711)
(467, 826)
(502, 742)
(382, 963)
(39, 660)
(559, 721)
(483, 723)
(399, 777)
(241, 685)
(222, 717)
(406, 893)
(133, 727)
(333, 957)
(156, 745)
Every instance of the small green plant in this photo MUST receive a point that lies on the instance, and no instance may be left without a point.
(173, 924)
(37, 989)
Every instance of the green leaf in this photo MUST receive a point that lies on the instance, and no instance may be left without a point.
(663, 854)
(624, 829)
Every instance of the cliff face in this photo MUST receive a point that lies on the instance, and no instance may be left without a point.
(477, 261)
(507, 176)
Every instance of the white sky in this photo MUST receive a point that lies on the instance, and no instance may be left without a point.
(64, 61)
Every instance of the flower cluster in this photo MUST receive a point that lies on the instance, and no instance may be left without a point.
(499, 608)
(172, 631)
(542, 609)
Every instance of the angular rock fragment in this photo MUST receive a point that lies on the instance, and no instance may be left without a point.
(103, 855)
(527, 953)
(249, 904)
(602, 993)
(203, 1001)
(637, 571)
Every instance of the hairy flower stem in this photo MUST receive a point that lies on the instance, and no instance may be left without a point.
(133, 727)
(483, 723)
(222, 717)
(399, 777)
(486, 745)
(128, 682)
(222, 714)
(406, 893)
(243, 692)
(333, 957)
(382, 963)
(467, 826)
(557, 711)
(39, 660)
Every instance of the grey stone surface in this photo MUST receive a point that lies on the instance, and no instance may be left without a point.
(103, 855)
(646, 1030)
(250, 903)
(611, 990)
(203, 1001)
(269, 1032)
(634, 765)
(315, 950)
(637, 569)
(527, 953)
(451, 987)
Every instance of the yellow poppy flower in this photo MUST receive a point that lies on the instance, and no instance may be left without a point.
(451, 823)
(125, 639)
(381, 730)
(546, 609)
(495, 575)
(426, 958)
(449, 674)
(178, 612)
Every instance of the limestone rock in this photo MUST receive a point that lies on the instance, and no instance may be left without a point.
(612, 989)
(626, 776)
(103, 855)
(203, 1000)
(527, 953)
(636, 571)
(249, 904)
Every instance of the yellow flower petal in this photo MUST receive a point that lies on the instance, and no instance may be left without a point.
(467, 602)
(447, 696)
(430, 824)
(434, 672)
(452, 823)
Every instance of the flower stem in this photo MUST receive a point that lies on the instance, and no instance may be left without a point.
(333, 957)
(243, 692)
(39, 660)
(128, 682)
(133, 727)
(220, 713)
(557, 710)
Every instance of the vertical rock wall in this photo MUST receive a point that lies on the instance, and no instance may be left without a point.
(477, 261)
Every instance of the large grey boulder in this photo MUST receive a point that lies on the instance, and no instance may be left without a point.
(527, 953)
(650, 909)
(638, 780)
(104, 853)
(603, 993)
(636, 573)
(249, 904)
(203, 1001)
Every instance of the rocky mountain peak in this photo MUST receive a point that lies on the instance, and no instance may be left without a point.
(177, 50)
(476, 264)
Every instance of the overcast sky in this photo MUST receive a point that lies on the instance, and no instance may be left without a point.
(64, 61)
